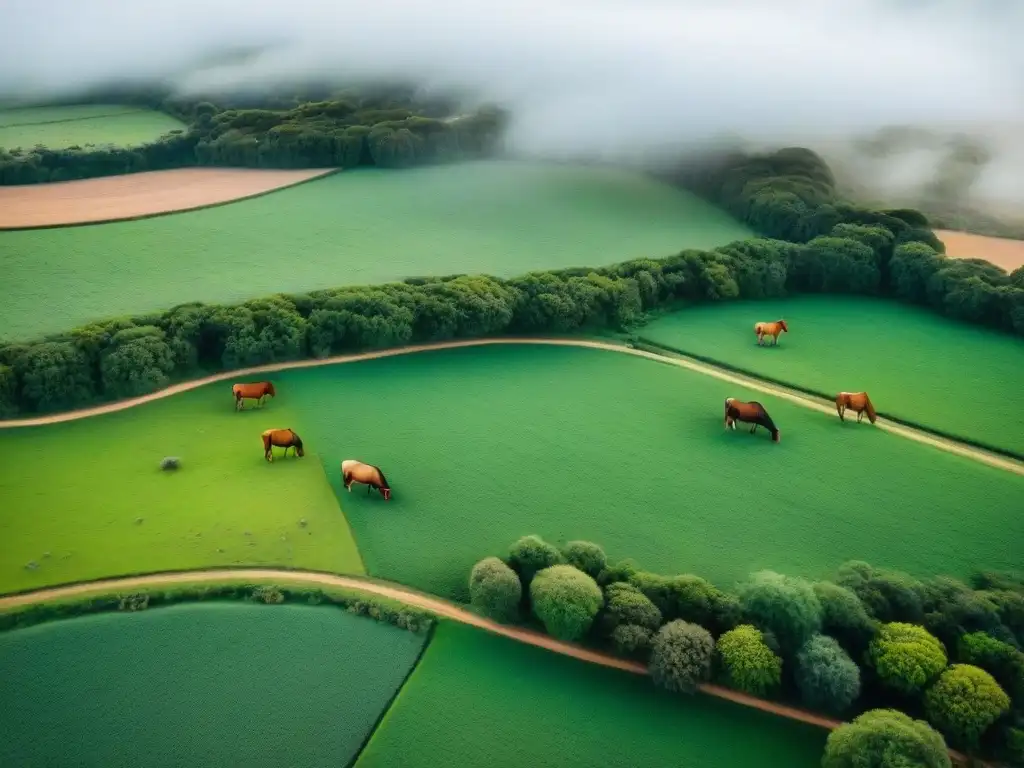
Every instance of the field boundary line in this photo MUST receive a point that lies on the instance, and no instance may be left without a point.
(678, 359)
(87, 117)
(438, 606)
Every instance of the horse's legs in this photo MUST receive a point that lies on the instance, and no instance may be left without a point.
(860, 415)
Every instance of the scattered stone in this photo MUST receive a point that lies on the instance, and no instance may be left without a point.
(170, 462)
(138, 520)
(220, 549)
(248, 533)
(46, 554)
(303, 523)
(31, 565)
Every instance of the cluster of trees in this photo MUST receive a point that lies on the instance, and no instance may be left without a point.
(868, 642)
(346, 130)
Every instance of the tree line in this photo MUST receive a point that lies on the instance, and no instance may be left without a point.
(914, 662)
(352, 128)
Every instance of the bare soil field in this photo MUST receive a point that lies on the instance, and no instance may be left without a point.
(115, 198)
(1008, 254)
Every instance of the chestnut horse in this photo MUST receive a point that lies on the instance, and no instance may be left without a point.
(283, 438)
(751, 413)
(256, 390)
(858, 402)
(770, 329)
(353, 471)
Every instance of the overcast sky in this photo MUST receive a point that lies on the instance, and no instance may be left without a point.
(601, 75)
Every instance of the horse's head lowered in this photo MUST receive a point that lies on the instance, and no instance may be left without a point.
(783, 326)
(270, 389)
(776, 436)
(299, 450)
(385, 492)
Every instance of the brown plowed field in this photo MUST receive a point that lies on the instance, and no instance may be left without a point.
(1008, 254)
(114, 198)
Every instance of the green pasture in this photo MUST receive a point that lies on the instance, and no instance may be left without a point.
(86, 499)
(957, 378)
(478, 699)
(62, 127)
(484, 445)
(364, 226)
(211, 684)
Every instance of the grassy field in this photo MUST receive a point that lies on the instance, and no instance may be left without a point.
(212, 684)
(60, 127)
(484, 445)
(86, 499)
(358, 227)
(505, 704)
(949, 376)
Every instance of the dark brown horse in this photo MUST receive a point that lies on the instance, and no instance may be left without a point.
(255, 390)
(751, 413)
(858, 402)
(282, 438)
(353, 471)
(770, 329)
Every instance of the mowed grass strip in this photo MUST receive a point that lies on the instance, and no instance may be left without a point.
(59, 128)
(484, 445)
(479, 699)
(87, 499)
(359, 227)
(949, 376)
(210, 684)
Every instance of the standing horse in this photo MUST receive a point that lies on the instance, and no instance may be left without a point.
(283, 438)
(751, 413)
(858, 402)
(770, 329)
(353, 471)
(256, 390)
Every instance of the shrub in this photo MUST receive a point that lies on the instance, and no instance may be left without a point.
(170, 462)
(495, 589)
(532, 554)
(887, 739)
(566, 600)
(783, 605)
(843, 616)
(1004, 662)
(690, 598)
(135, 602)
(623, 571)
(268, 595)
(747, 664)
(625, 604)
(906, 657)
(586, 556)
(631, 640)
(887, 595)
(681, 656)
(964, 702)
(827, 678)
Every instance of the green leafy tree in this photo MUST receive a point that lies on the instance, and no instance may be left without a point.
(586, 556)
(55, 374)
(625, 604)
(139, 360)
(746, 663)
(887, 595)
(495, 589)
(907, 657)
(631, 640)
(531, 554)
(964, 702)
(826, 676)
(885, 738)
(566, 600)
(844, 617)
(1004, 662)
(690, 598)
(785, 606)
(681, 656)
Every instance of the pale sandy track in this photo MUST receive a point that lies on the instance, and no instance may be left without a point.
(1010, 465)
(136, 195)
(434, 605)
(1003, 252)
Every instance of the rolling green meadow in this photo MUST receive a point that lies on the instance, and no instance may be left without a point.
(956, 378)
(87, 499)
(207, 684)
(506, 704)
(363, 226)
(484, 445)
(62, 127)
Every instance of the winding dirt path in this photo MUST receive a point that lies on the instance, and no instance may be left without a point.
(976, 454)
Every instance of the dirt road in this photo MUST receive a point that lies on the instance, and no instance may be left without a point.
(1005, 253)
(681, 361)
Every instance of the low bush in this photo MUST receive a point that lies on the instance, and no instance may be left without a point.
(843, 617)
(566, 600)
(681, 656)
(746, 663)
(627, 605)
(495, 589)
(906, 657)
(964, 702)
(1004, 662)
(887, 739)
(170, 462)
(826, 676)
(531, 554)
(586, 556)
(632, 641)
(787, 607)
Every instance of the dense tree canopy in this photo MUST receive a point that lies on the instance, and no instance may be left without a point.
(907, 657)
(964, 702)
(681, 656)
(885, 738)
(746, 663)
(531, 554)
(785, 606)
(566, 600)
(826, 676)
(495, 589)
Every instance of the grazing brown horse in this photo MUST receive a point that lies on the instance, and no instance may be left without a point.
(353, 471)
(858, 402)
(770, 329)
(256, 390)
(751, 413)
(283, 438)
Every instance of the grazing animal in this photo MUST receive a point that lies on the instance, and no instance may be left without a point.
(353, 471)
(256, 390)
(751, 413)
(770, 329)
(858, 402)
(283, 438)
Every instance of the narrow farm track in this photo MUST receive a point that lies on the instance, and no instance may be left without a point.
(961, 449)
(429, 603)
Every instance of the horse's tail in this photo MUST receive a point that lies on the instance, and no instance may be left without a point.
(871, 408)
(267, 438)
(840, 401)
